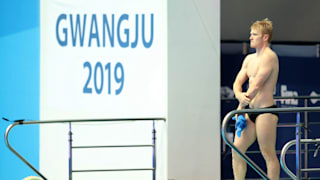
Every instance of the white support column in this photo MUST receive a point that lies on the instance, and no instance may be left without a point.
(194, 89)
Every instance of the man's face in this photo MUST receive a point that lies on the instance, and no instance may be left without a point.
(256, 38)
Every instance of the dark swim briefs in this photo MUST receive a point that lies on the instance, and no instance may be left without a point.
(253, 116)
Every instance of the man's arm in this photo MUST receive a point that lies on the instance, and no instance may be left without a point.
(241, 78)
(264, 70)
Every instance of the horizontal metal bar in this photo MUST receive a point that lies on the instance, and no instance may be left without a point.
(310, 140)
(116, 146)
(279, 125)
(279, 97)
(313, 123)
(277, 151)
(286, 125)
(310, 170)
(295, 125)
(90, 120)
(297, 97)
(278, 110)
(106, 170)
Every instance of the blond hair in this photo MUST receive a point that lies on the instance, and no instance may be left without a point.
(265, 26)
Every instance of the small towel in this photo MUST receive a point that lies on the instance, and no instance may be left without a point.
(241, 124)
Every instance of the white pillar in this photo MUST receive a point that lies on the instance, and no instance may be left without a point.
(193, 89)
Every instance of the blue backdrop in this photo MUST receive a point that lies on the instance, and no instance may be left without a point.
(19, 78)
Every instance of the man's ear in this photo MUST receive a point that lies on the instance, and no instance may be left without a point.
(265, 37)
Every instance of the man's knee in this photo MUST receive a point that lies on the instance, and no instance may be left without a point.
(236, 158)
(240, 146)
(268, 153)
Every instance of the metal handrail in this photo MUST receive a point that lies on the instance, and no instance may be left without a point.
(20, 122)
(229, 115)
(283, 156)
(278, 97)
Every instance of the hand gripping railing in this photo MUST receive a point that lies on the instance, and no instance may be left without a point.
(20, 122)
(283, 157)
(266, 110)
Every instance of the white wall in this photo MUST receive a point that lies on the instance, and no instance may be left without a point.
(194, 89)
(66, 76)
(193, 103)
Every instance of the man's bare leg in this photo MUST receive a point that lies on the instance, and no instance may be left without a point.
(248, 136)
(266, 126)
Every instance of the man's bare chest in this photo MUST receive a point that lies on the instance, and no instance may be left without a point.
(252, 69)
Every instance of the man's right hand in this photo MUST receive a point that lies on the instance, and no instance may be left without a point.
(243, 99)
(239, 108)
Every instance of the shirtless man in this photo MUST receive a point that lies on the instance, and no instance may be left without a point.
(261, 68)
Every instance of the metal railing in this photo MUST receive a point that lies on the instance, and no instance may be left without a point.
(20, 122)
(298, 129)
(279, 98)
(283, 156)
(228, 117)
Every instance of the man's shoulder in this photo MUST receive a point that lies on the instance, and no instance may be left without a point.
(249, 56)
(270, 55)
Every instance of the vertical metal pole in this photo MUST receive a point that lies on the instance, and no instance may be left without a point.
(298, 147)
(70, 152)
(306, 149)
(154, 162)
